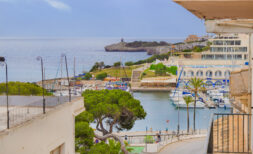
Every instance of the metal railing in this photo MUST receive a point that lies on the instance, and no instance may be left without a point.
(229, 133)
(24, 108)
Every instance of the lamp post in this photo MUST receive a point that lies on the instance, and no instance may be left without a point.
(39, 58)
(2, 60)
(66, 63)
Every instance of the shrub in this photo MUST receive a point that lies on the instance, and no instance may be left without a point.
(101, 76)
(172, 70)
(21, 88)
(107, 66)
(187, 50)
(117, 64)
(161, 69)
(87, 76)
(129, 63)
(149, 139)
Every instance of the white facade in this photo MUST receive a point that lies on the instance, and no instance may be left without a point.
(50, 133)
(228, 47)
(214, 72)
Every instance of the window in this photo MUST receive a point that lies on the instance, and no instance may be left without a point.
(209, 74)
(184, 73)
(218, 73)
(227, 73)
(237, 42)
(229, 56)
(190, 73)
(219, 57)
(199, 73)
(217, 42)
(209, 56)
(238, 57)
(243, 49)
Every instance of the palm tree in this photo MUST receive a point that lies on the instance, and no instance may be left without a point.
(188, 100)
(195, 85)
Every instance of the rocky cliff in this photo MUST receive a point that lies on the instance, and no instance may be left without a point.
(122, 47)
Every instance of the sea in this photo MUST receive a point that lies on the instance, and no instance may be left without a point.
(21, 56)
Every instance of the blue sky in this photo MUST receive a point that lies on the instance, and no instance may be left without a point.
(96, 18)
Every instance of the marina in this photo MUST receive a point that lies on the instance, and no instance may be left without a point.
(160, 108)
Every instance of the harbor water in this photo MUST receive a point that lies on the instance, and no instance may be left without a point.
(162, 114)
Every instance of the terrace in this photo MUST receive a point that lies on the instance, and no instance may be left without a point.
(25, 108)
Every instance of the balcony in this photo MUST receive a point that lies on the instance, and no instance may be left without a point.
(229, 133)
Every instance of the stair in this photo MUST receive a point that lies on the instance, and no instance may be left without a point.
(136, 76)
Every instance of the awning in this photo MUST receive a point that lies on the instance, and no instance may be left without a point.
(219, 9)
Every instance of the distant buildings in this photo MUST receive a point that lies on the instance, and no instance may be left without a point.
(191, 38)
(227, 53)
(228, 47)
(195, 38)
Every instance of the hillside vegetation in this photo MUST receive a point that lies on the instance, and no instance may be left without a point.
(117, 71)
(21, 88)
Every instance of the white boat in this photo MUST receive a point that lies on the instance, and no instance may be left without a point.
(182, 104)
(225, 103)
(176, 93)
(61, 93)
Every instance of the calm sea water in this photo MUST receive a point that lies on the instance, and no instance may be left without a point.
(159, 109)
(21, 55)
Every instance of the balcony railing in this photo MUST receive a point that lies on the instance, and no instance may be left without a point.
(229, 133)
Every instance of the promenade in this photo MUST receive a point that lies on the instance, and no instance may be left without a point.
(190, 146)
(169, 141)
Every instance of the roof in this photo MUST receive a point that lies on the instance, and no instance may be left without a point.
(25, 108)
(219, 9)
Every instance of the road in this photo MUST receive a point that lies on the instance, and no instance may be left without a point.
(191, 146)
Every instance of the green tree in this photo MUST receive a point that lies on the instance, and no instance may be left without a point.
(117, 64)
(84, 135)
(173, 70)
(129, 63)
(101, 76)
(116, 108)
(102, 148)
(188, 100)
(101, 65)
(195, 85)
(87, 76)
(160, 69)
(197, 49)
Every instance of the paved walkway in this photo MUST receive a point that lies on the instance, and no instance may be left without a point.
(191, 146)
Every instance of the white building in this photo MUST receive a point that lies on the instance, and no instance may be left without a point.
(32, 132)
(215, 73)
(228, 47)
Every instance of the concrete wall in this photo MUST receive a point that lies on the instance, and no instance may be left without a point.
(44, 133)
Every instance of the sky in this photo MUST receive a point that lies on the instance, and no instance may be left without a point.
(97, 18)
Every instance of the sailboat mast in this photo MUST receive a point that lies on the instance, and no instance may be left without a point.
(61, 77)
(74, 66)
